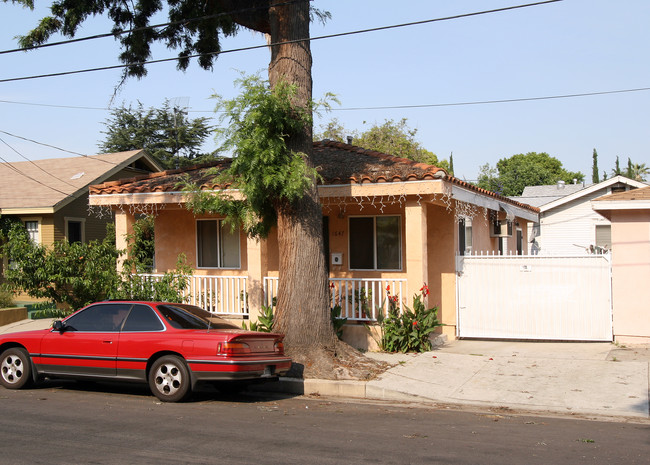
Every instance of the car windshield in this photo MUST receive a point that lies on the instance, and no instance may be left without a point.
(181, 319)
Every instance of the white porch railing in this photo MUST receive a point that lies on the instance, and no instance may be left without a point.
(224, 295)
(360, 299)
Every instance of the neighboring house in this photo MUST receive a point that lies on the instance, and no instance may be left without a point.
(50, 196)
(567, 223)
(629, 216)
(388, 223)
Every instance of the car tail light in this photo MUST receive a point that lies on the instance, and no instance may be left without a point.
(233, 348)
(279, 348)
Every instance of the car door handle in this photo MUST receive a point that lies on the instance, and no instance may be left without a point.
(107, 342)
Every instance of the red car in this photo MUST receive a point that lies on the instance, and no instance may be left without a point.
(170, 346)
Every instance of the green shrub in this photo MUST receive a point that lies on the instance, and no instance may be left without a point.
(408, 332)
(6, 299)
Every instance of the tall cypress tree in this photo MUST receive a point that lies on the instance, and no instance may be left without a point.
(595, 177)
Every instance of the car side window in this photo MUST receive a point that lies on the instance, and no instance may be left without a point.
(142, 318)
(99, 318)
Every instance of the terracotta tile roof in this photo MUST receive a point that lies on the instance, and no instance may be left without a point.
(165, 181)
(48, 183)
(337, 163)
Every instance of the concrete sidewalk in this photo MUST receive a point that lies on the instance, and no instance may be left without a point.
(592, 379)
(568, 378)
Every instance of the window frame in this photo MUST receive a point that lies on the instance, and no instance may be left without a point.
(82, 221)
(219, 266)
(39, 231)
(374, 224)
(465, 222)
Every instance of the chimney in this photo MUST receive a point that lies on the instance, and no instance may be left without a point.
(349, 140)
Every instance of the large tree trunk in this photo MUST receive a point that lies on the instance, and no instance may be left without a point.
(302, 311)
(303, 305)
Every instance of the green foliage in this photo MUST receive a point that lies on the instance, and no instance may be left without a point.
(595, 174)
(168, 288)
(6, 299)
(166, 133)
(408, 332)
(521, 170)
(267, 174)
(47, 310)
(337, 321)
(75, 274)
(78, 274)
(264, 322)
(142, 246)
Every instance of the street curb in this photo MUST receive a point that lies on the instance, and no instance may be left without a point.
(335, 388)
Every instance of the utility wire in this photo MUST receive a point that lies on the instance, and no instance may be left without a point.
(57, 148)
(37, 166)
(385, 107)
(145, 28)
(254, 47)
(13, 168)
(488, 102)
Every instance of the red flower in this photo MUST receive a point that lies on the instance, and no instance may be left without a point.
(415, 323)
(424, 290)
(331, 285)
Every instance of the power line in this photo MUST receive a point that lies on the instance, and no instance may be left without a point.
(382, 107)
(145, 28)
(13, 168)
(488, 102)
(38, 167)
(255, 47)
(57, 148)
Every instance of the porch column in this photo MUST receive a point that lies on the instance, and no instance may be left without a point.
(416, 248)
(123, 227)
(257, 271)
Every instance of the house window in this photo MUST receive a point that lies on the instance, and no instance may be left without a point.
(375, 243)
(74, 229)
(603, 237)
(520, 242)
(464, 236)
(217, 244)
(32, 231)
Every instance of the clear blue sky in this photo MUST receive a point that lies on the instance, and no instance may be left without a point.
(570, 47)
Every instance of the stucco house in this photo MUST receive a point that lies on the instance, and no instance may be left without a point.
(629, 216)
(567, 223)
(390, 225)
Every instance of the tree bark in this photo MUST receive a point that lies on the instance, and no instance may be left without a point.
(303, 313)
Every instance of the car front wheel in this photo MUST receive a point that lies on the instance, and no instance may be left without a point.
(15, 368)
(169, 379)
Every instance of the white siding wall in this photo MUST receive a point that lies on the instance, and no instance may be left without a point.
(570, 228)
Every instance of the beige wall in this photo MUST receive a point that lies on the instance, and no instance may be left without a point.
(631, 275)
(442, 237)
(175, 232)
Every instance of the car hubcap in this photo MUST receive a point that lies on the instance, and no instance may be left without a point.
(12, 369)
(168, 379)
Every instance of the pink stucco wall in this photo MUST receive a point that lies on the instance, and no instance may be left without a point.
(631, 275)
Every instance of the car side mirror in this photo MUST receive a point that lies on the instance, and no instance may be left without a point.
(58, 326)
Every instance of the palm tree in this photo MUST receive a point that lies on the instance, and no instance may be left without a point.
(639, 171)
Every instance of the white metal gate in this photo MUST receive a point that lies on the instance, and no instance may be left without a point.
(534, 297)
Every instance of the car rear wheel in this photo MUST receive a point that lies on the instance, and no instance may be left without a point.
(15, 368)
(169, 379)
